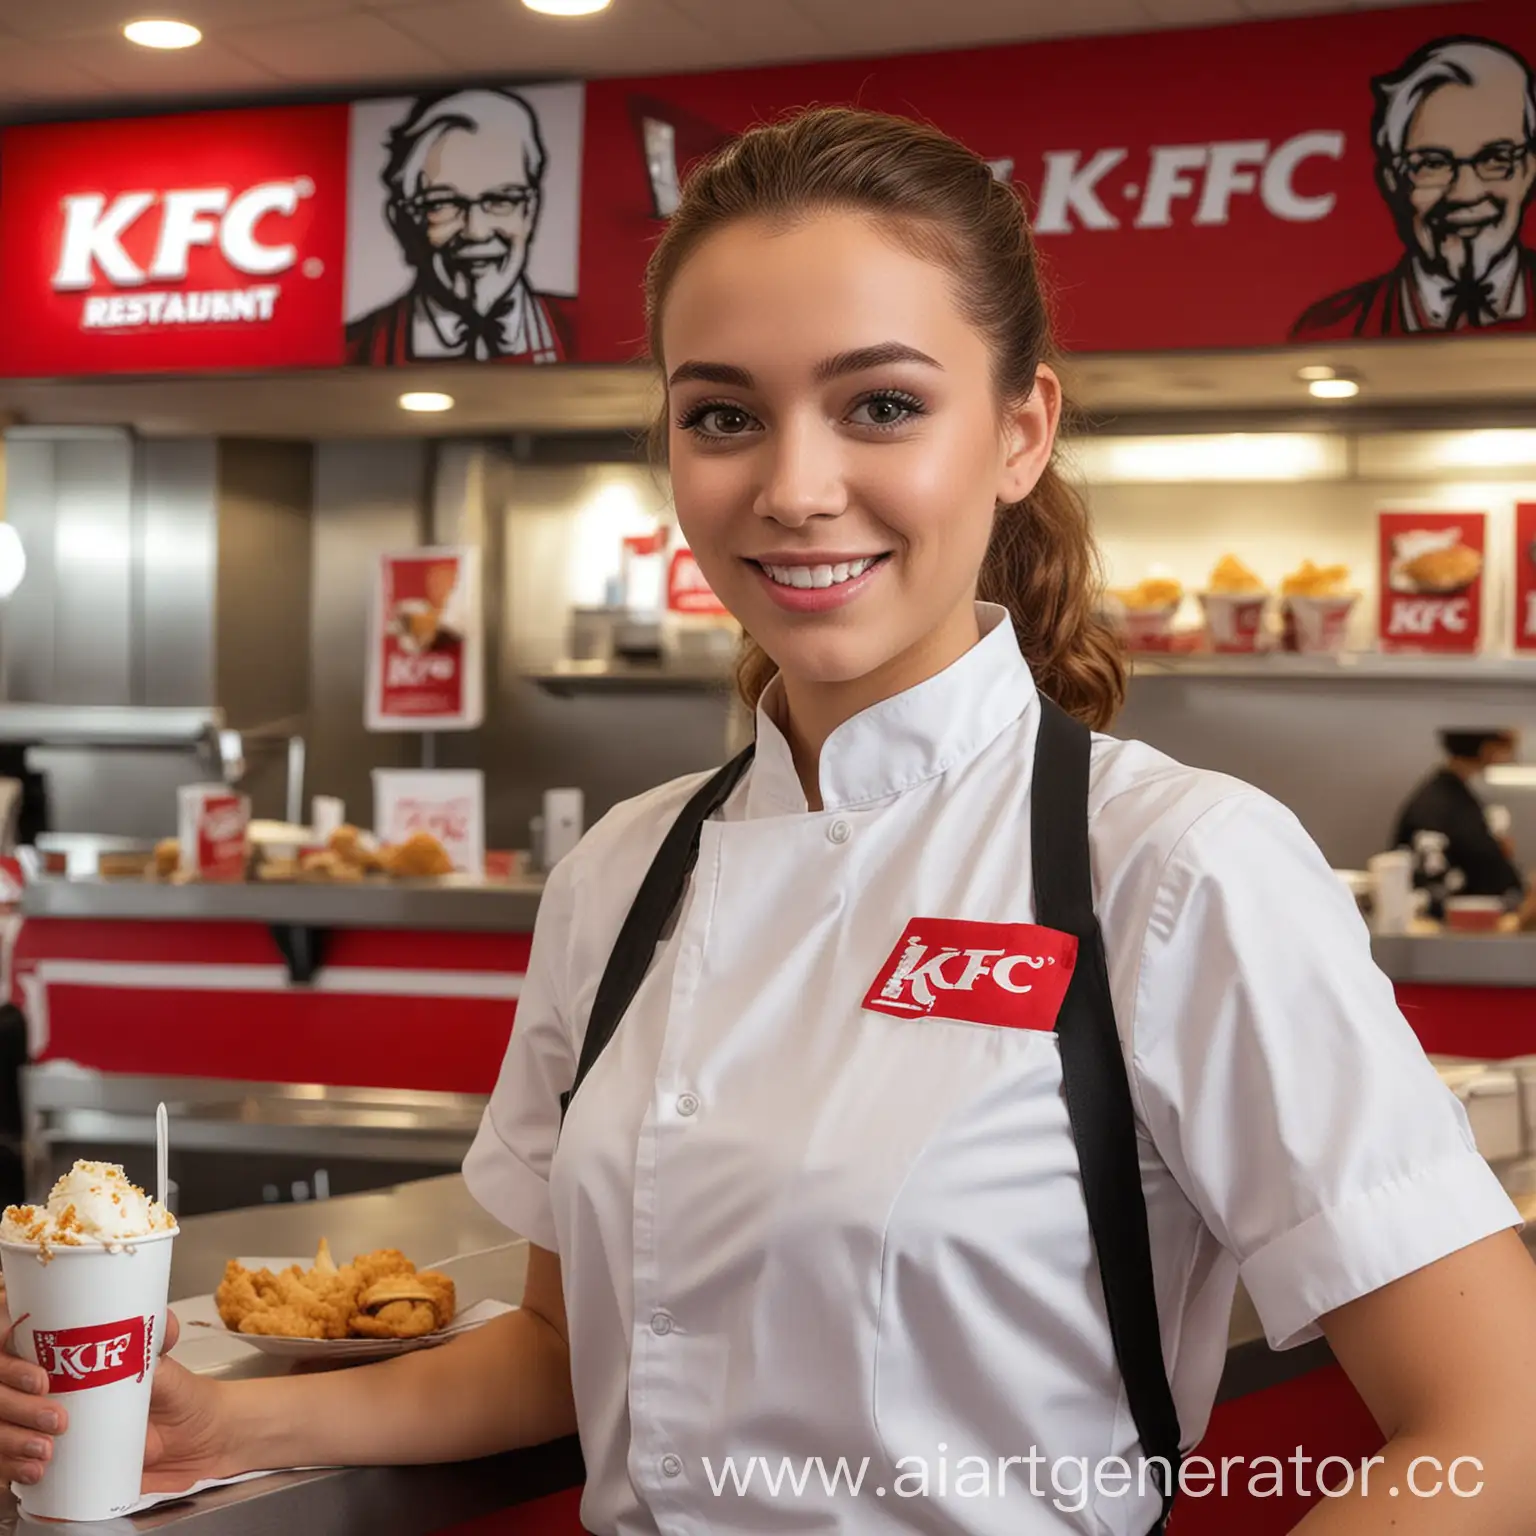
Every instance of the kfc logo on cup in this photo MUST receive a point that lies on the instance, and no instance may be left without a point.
(82, 1359)
(1010, 975)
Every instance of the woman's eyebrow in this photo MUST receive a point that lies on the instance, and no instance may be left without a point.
(881, 355)
(710, 373)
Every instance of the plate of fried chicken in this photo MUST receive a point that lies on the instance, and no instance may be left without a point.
(377, 1305)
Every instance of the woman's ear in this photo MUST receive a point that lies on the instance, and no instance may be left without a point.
(1029, 437)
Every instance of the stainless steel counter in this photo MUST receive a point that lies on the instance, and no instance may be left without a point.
(1460, 960)
(461, 904)
(431, 1220)
(458, 903)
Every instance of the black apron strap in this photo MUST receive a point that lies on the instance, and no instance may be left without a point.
(1097, 1089)
(652, 909)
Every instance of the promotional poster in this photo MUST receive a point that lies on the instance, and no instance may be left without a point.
(426, 649)
(1432, 570)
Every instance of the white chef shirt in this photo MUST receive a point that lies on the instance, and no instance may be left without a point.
(794, 1228)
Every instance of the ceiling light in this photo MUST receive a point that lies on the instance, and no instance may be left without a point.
(1314, 371)
(162, 34)
(426, 400)
(1333, 389)
(567, 7)
(1216, 457)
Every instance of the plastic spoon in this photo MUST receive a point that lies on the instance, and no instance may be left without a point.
(162, 1156)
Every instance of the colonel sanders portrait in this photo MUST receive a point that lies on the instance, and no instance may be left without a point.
(1455, 139)
(463, 185)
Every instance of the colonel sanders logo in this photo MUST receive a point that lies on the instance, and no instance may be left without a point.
(464, 187)
(1455, 137)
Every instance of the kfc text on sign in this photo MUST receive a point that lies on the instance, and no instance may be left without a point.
(1012, 975)
(1072, 193)
(240, 226)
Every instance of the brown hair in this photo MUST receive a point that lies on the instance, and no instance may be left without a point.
(944, 203)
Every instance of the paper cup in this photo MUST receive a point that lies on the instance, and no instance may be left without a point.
(95, 1322)
(1392, 891)
(1317, 626)
(1149, 629)
(1235, 621)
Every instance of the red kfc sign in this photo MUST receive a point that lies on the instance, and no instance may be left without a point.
(1432, 581)
(1011, 975)
(188, 242)
(1525, 576)
(82, 1359)
(1331, 177)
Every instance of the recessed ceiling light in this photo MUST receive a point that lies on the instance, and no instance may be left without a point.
(567, 7)
(1314, 371)
(1333, 389)
(426, 400)
(163, 34)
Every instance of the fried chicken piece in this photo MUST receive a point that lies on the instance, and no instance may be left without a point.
(240, 1293)
(405, 1307)
(299, 1304)
(328, 866)
(420, 856)
(167, 857)
(346, 842)
(381, 1264)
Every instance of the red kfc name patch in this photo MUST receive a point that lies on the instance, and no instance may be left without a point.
(80, 1359)
(1012, 975)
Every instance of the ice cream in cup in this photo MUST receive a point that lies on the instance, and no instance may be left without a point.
(87, 1279)
(1235, 602)
(1317, 608)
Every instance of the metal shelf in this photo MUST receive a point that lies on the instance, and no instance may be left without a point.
(569, 678)
(107, 725)
(1357, 666)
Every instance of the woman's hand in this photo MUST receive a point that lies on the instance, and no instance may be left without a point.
(188, 1439)
(190, 1436)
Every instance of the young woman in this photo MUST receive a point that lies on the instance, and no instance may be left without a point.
(857, 1174)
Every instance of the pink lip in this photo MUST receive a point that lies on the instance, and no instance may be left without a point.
(815, 599)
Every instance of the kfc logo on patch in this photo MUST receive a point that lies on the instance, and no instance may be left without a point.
(1010, 975)
(82, 1359)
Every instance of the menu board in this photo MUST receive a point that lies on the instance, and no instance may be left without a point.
(426, 642)
(1525, 576)
(1432, 568)
(447, 802)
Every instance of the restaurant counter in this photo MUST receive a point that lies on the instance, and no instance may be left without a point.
(535, 1490)
(457, 902)
(350, 1032)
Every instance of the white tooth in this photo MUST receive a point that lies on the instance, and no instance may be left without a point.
(776, 574)
(821, 575)
(841, 573)
(800, 576)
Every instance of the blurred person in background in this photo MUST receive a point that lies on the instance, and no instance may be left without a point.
(1461, 846)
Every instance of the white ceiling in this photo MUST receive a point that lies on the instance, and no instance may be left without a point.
(1458, 374)
(69, 53)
